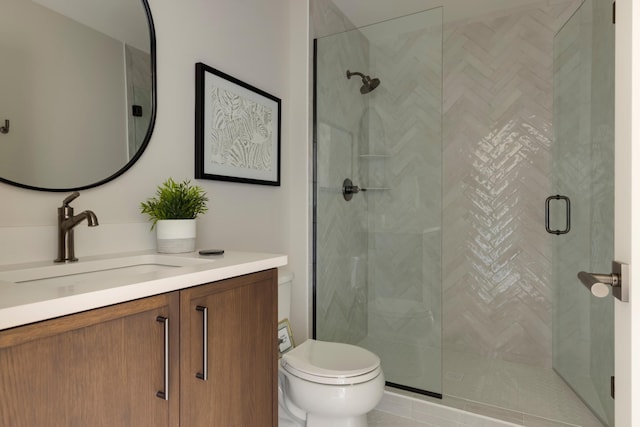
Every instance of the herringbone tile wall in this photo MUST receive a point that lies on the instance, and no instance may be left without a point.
(572, 164)
(405, 236)
(603, 158)
(583, 170)
(327, 19)
(341, 243)
(498, 103)
(496, 106)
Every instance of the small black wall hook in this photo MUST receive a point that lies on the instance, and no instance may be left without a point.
(5, 129)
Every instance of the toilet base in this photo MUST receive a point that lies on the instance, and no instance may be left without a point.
(314, 420)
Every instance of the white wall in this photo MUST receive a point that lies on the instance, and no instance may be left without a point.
(300, 186)
(117, 18)
(250, 40)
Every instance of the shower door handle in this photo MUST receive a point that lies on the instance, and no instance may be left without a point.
(547, 210)
(599, 284)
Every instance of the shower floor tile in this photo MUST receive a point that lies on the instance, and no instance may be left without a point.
(536, 395)
(383, 419)
(397, 412)
(512, 392)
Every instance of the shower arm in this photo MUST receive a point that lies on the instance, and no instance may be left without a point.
(355, 73)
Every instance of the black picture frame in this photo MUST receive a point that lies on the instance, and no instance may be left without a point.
(237, 130)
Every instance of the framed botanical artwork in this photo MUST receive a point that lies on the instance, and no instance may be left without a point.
(237, 130)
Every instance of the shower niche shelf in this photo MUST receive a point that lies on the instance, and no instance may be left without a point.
(374, 163)
(374, 156)
(337, 190)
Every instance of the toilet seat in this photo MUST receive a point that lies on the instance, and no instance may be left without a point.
(331, 363)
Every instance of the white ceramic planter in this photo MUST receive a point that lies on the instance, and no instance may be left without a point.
(176, 235)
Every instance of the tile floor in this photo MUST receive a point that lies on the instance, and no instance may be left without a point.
(385, 419)
(397, 410)
(511, 391)
(487, 393)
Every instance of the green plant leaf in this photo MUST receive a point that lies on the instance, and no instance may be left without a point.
(175, 201)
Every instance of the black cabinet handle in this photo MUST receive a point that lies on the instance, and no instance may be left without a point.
(205, 341)
(165, 394)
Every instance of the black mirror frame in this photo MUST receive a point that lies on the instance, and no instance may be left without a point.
(152, 121)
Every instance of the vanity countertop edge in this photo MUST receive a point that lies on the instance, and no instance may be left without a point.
(21, 304)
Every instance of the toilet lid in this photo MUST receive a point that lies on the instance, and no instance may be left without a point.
(331, 363)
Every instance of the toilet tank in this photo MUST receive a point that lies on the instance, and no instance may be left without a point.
(285, 279)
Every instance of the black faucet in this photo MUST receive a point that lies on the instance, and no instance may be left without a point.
(66, 223)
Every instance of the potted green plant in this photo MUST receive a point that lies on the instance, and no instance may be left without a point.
(173, 212)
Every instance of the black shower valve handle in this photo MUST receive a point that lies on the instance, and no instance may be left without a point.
(348, 189)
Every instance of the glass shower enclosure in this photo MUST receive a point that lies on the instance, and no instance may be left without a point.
(378, 236)
(583, 165)
(384, 278)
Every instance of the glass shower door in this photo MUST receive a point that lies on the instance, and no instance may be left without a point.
(378, 254)
(583, 159)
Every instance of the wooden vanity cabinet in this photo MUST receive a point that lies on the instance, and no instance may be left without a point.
(105, 367)
(102, 367)
(240, 389)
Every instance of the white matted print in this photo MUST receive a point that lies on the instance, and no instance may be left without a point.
(285, 337)
(237, 130)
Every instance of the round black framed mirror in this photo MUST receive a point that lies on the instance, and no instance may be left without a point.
(77, 91)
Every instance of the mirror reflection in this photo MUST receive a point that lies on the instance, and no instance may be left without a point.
(76, 90)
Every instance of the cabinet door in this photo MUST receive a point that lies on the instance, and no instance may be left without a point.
(103, 367)
(240, 389)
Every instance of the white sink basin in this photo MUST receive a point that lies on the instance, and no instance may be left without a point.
(94, 270)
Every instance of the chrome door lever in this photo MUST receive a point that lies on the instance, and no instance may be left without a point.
(599, 284)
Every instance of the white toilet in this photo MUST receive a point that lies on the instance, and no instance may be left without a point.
(325, 384)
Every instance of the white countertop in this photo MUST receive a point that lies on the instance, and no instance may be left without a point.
(33, 301)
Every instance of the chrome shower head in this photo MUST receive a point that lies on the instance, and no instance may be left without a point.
(368, 84)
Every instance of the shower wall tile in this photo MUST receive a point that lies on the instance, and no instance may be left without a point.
(405, 219)
(328, 19)
(341, 259)
(401, 164)
(583, 325)
(496, 124)
(602, 248)
(139, 87)
(341, 239)
(572, 171)
(497, 118)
